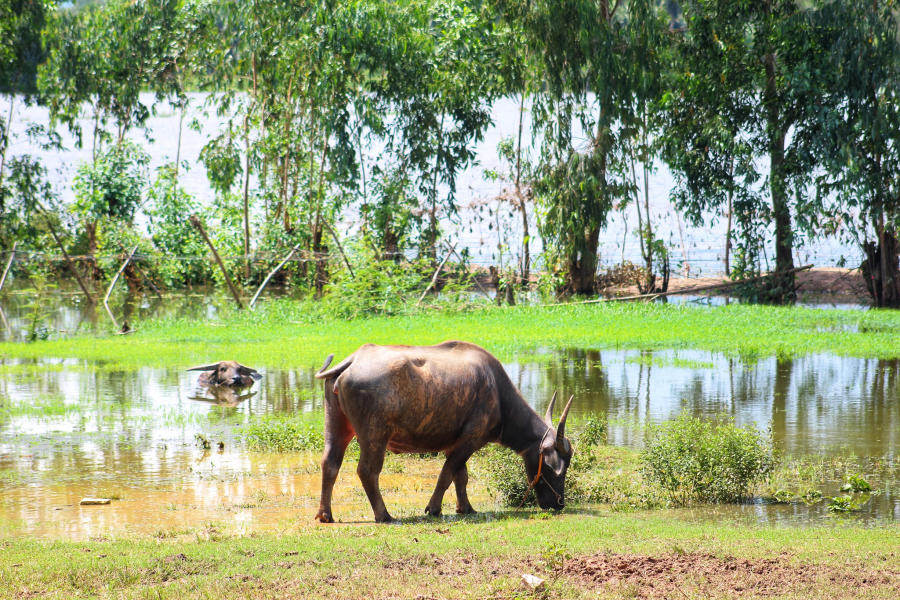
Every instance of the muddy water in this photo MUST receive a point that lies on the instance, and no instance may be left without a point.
(70, 430)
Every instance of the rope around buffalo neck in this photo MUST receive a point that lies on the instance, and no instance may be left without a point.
(539, 476)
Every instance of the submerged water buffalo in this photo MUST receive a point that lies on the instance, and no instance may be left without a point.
(227, 373)
(453, 398)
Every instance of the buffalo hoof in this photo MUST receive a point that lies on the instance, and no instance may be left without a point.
(432, 512)
(324, 518)
(467, 510)
(387, 519)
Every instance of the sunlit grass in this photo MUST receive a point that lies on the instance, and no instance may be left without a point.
(300, 334)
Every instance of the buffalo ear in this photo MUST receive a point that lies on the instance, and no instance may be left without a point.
(553, 461)
(211, 367)
(247, 371)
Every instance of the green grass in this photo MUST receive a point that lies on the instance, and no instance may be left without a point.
(285, 334)
(476, 557)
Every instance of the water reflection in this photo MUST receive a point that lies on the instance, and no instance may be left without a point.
(71, 429)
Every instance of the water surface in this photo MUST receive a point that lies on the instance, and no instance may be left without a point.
(70, 429)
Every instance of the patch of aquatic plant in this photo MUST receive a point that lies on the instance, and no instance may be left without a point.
(695, 460)
(284, 434)
(857, 484)
(41, 407)
(289, 333)
(805, 477)
(846, 503)
(657, 360)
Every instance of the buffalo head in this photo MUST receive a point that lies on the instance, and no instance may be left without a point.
(227, 373)
(551, 456)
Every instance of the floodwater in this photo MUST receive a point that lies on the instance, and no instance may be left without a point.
(70, 429)
(487, 228)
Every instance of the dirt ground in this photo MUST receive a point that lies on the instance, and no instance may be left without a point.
(702, 575)
(821, 284)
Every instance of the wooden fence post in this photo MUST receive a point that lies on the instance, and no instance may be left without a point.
(12, 257)
(113, 284)
(195, 221)
(272, 273)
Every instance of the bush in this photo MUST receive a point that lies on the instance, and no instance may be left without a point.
(504, 471)
(704, 461)
(593, 432)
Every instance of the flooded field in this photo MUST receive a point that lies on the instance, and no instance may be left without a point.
(172, 456)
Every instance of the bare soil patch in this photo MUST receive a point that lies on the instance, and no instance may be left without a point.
(819, 284)
(686, 575)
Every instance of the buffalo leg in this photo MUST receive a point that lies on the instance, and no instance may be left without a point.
(460, 480)
(371, 459)
(455, 462)
(338, 434)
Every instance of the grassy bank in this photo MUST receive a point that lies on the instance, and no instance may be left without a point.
(586, 554)
(300, 334)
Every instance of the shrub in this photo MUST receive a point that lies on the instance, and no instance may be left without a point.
(705, 461)
(504, 471)
(593, 432)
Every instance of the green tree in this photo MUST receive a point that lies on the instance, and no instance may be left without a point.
(855, 130)
(598, 65)
(746, 79)
(108, 192)
(21, 22)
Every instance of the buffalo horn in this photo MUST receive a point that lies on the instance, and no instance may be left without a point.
(247, 371)
(211, 367)
(548, 418)
(561, 428)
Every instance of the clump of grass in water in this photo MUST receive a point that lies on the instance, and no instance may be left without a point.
(696, 460)
(284, 434)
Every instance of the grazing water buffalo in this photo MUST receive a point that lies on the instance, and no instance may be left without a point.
(227, 373)
(452, 398)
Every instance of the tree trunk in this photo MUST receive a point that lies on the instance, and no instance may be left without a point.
(881, 269)
(93, 268)
(728, 229)
(783, 290)
(582, 269)
(526, 253)
(4, 145)
(246, 199)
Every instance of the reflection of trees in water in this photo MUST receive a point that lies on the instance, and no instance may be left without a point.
(579, 373)
(784, 370)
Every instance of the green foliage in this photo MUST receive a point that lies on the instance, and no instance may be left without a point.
(283, 435)
(21, 22)
(856, 483)
(24, 190)
(697, 460)
(38, 308)
(592, 432)
(377, 287)
(105, 55)
(843, 504)
(168, 207)
(111, 186)
(505, 474)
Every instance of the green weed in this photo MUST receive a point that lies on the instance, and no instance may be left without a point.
(697, 460)
(284, 434)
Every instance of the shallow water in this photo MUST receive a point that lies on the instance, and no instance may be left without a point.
(70, 430)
